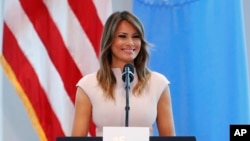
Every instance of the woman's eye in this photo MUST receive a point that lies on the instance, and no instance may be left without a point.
(122, 36)
(136, 36)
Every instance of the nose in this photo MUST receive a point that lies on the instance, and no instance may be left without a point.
(131, 41)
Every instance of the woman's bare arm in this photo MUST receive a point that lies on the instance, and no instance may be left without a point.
(82, 116)
(165, 120)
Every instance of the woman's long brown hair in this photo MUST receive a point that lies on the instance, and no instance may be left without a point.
(105, 75)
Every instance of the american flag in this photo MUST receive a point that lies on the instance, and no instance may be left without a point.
(48, 45)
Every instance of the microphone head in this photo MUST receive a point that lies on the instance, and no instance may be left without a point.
(128, 68)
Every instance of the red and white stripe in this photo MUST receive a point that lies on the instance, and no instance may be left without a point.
(49, 45)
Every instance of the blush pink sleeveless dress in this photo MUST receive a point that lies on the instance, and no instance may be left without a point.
(107, 112)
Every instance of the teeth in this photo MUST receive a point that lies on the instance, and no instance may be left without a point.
(129, 50)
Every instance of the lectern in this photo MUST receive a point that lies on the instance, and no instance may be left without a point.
(152, 138)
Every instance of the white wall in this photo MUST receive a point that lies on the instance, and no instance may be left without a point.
(1, 76)
(122, 5)
(16, 123)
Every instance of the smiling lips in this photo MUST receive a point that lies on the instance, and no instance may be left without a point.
(128, 50)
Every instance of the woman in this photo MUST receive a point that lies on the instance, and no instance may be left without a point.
(101, 95)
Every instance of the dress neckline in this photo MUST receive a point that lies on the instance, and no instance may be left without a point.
(118, 75)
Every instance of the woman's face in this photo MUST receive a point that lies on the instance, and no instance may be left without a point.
(126, 44)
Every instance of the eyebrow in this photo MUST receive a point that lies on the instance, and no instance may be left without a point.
(127, 33)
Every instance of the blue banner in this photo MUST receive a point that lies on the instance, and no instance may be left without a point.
(199, 45)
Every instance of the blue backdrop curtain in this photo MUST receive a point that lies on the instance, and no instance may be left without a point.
(199, 45)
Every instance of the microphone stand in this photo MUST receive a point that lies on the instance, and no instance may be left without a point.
(127, 87)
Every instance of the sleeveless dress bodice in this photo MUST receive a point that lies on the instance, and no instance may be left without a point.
(108, 112)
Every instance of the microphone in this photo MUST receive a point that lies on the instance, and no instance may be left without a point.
(127, 77)
(128, 71)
